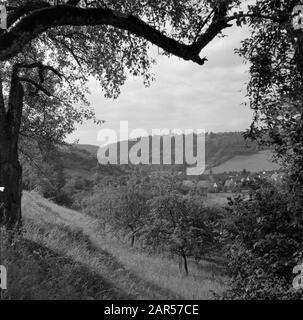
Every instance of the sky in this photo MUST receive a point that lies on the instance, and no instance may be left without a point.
(184, 95)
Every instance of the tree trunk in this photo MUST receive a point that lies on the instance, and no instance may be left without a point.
(132, 240)
(185, 263)
(10, 168)
(180, 262)
(11, 181)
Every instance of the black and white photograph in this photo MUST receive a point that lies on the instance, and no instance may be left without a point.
(151, 151)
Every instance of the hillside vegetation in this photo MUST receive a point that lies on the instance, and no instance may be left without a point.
(224, 152)
(219, 148)
(65, 255)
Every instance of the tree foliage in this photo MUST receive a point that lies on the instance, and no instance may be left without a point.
(179, 225)
(264, 244)
(274, 52)
(265, 233)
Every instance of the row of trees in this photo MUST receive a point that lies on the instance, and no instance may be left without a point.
(153, 214)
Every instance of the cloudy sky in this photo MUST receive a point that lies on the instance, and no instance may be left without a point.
(184, 95)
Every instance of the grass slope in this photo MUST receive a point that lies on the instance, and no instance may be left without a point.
(224, 152)
(260, 161)
(64, 255)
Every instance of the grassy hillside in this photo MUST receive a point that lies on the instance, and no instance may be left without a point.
(260, 161)
(224, 152)
(219, 149)
(64, 255)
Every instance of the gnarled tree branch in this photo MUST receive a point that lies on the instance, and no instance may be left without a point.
(39, 21)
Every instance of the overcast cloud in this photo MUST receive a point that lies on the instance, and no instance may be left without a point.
(184, 95)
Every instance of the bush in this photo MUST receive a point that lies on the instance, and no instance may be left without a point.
(264, 241)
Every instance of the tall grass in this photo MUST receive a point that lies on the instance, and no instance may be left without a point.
(64, 255)
(38, 273)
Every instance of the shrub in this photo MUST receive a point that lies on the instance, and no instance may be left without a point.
(264, 241)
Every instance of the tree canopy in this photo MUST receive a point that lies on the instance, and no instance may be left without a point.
(274, 52)
(59, 45)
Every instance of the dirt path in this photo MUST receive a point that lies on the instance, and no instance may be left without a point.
(142, 288)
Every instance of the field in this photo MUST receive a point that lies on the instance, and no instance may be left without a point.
(260, 161)
(64, 254)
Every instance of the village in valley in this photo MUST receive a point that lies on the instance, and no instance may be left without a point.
(229, 182)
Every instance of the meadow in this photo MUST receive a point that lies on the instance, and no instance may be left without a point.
(63, 254)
